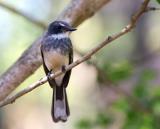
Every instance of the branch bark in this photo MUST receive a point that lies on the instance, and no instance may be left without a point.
(87, 56)
(76, 12)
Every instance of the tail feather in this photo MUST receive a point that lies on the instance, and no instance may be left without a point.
(67, 106)
(60, 108)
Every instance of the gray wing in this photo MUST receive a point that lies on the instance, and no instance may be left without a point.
(52, 82)
(68, 73)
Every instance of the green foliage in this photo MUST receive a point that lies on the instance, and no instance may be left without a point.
(144, 91)
(101, 120)
(141, 86)
(121, 105)
(118, 71)
(158, 1)
(155, 92)
(137, 120)
(156, 107)
(155, 101)
(84, 124)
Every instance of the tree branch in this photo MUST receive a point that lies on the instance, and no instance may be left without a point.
(87, 56)
(76, 12)
(27, 17)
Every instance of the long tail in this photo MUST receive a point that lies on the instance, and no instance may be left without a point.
(60, 109)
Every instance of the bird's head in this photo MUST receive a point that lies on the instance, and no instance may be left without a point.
(59, 27)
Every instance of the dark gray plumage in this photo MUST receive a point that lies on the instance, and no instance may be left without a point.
(57, 52)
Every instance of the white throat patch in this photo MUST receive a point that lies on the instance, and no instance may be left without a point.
(60, 36)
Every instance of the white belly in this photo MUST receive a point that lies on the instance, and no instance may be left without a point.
(54, 61)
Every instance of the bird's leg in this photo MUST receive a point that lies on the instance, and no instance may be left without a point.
(63, 68)
(49, 75)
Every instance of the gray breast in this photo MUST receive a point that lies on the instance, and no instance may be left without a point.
(63, 45)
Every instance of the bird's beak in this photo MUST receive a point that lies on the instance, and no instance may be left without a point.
(69, 28)
(73, 29)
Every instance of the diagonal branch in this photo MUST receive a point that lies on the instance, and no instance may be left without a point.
(87, 56)
(76, 12)
(27, 17)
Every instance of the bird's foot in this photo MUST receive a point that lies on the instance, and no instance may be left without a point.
(63, 68)
(49, 75)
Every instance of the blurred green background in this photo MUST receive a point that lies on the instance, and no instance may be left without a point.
(118, 89)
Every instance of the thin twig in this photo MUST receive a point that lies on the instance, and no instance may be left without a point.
(87, 56)
(152, 9)
(27, 17)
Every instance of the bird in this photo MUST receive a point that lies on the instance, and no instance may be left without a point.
(57, 52)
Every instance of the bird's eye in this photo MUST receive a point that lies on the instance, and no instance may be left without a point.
(57, 28)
